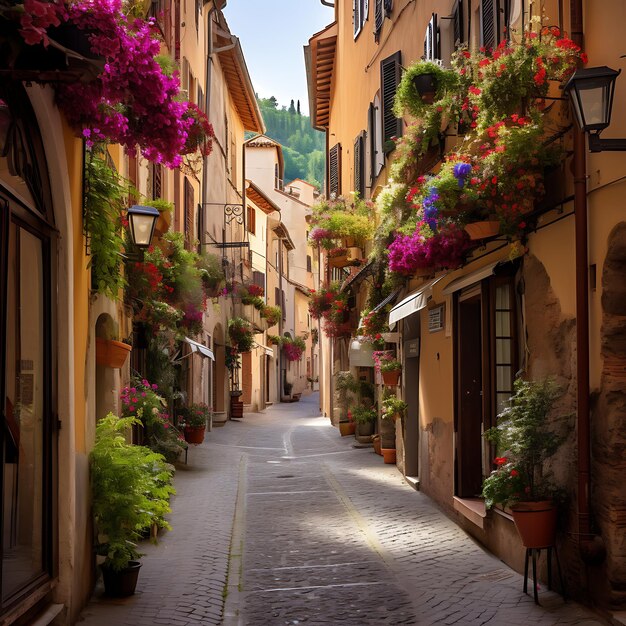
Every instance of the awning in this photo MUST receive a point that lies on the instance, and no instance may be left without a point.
(269, 351)
(413, 302)
(360, 353)
(199, 348)
(470, 279)
(390, 298)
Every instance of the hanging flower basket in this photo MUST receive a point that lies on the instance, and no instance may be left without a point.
(194, 434)
(482, 230)
(391, 379)
(426, 86)
(111, 353)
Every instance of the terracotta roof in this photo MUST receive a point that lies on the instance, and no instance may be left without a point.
(260, 199)
(320, 65)
(239, 83)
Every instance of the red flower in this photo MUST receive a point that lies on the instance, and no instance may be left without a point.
(500, 460)
(514, 473)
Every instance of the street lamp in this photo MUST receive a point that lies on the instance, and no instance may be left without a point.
(142, 220)
(591, 91)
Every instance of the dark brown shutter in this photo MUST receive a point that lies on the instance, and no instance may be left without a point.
(276, 296)
(334, 170)
(283, 305)
(157, 181)
(251, 217)
(359, 174)
(308, 263)
(379, 17)
(356, 16)
(389, 80)
(388, 7)
(188, 214)
(258, 278)
(489, 23)
(201, 239)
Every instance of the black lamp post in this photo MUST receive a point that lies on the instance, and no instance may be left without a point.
(142, 220)
(591, 91)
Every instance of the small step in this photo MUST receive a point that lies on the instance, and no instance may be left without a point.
(49, 613)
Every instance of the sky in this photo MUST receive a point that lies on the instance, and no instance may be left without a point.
(272, 35)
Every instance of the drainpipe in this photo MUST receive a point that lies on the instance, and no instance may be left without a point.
(591, 547)
(280, 319)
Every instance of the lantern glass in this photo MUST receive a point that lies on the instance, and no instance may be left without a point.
(591, 91)
(142, 220)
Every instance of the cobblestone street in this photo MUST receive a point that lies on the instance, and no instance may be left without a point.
(319, 533)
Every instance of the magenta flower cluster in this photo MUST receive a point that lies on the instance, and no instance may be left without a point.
(133, 102)
(445, 249)
(292, 351)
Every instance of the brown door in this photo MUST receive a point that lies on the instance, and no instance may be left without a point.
(469, 398)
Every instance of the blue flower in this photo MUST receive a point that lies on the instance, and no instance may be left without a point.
(461, 171)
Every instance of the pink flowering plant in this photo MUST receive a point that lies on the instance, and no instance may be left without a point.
(141, 400)
(293, 349)
(134, 101)
(194, 416)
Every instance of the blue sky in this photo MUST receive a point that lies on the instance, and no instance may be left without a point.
(272, 34)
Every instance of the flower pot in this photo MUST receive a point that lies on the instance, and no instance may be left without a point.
(236, 408)
(123, 583)
(535, 523)
(365, 429)
(389, 455)
(111, 353)
(347, 428)
(376, 442)
(338, 261)
(482, 230)
(390, 379)
(426, 86)
(194, 434)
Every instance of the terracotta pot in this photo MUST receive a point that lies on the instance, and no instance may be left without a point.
(390, 379)
(123, 583)
(426, 86)
(376, 442)
(365, 429)
(535, 523)
(111, 353)
(482, 230)
(338, 261)
(347, 428)
(194, 434)
(389, 455)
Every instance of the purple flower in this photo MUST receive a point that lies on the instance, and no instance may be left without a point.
(461, 171)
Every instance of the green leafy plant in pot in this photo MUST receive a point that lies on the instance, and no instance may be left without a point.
(130, 490)
(525, 438)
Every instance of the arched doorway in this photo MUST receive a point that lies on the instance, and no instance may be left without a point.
(28, 380)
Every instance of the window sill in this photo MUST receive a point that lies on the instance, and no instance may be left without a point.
(472, 509)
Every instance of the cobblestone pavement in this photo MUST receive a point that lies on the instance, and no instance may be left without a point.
(322, 533)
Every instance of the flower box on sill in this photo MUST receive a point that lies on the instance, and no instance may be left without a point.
(482, 230)
(110, 353)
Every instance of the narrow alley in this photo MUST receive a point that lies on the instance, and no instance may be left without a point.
(318, 532)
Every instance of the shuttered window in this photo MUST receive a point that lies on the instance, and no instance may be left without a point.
(388, 7)
(432, 42)
(157, 181)
(276, 296)
(389, 80)
(188, 214)
(283, 305)
(360, 10)
(459, 23)
(258, 278)
(308, 263)
(201, 228)
(359, 165)
(334, 170)
(488, 23)
(251, 219)
(379, 18)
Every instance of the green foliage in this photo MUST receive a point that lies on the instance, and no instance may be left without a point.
(130, 490)
(525, 438)
(195, 415)
(105, 197)
(344, 217)
(303, 147)
(271, 314)
(211, 269)
(391, 406)
(240, 334)
(363, 415)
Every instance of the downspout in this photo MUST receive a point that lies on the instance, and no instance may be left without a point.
(591, 547)
(280, 319)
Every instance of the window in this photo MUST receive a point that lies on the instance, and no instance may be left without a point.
(379, 18)
(334, 171)
(494, 21)
(308, 263)
(359, 165)
(258, 279)
(375, 140)
(251, 219)
(360, 10)
(432, 40)
(458, 21)
(201, 228)
(277, 300)
(486, 362)
(389, 79)
(157, 181)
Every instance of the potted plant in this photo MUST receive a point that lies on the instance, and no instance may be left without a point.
(391, 371)
(365, 418)
(271, 315)
(346, 386)
(164, 220)
(393, 408)
(524, 439)
(130, 490)
(194, 421)
(422, 84)
(212, 273)
(240, 334)
(110, 352)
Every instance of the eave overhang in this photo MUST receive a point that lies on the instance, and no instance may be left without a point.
(260, 199)
(320, 65)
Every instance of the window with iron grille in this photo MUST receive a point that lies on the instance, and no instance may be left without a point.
(390, 74)
(359, 165)
(334, 170)
(188, 214)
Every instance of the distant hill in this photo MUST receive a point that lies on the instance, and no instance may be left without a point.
(303, 147)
